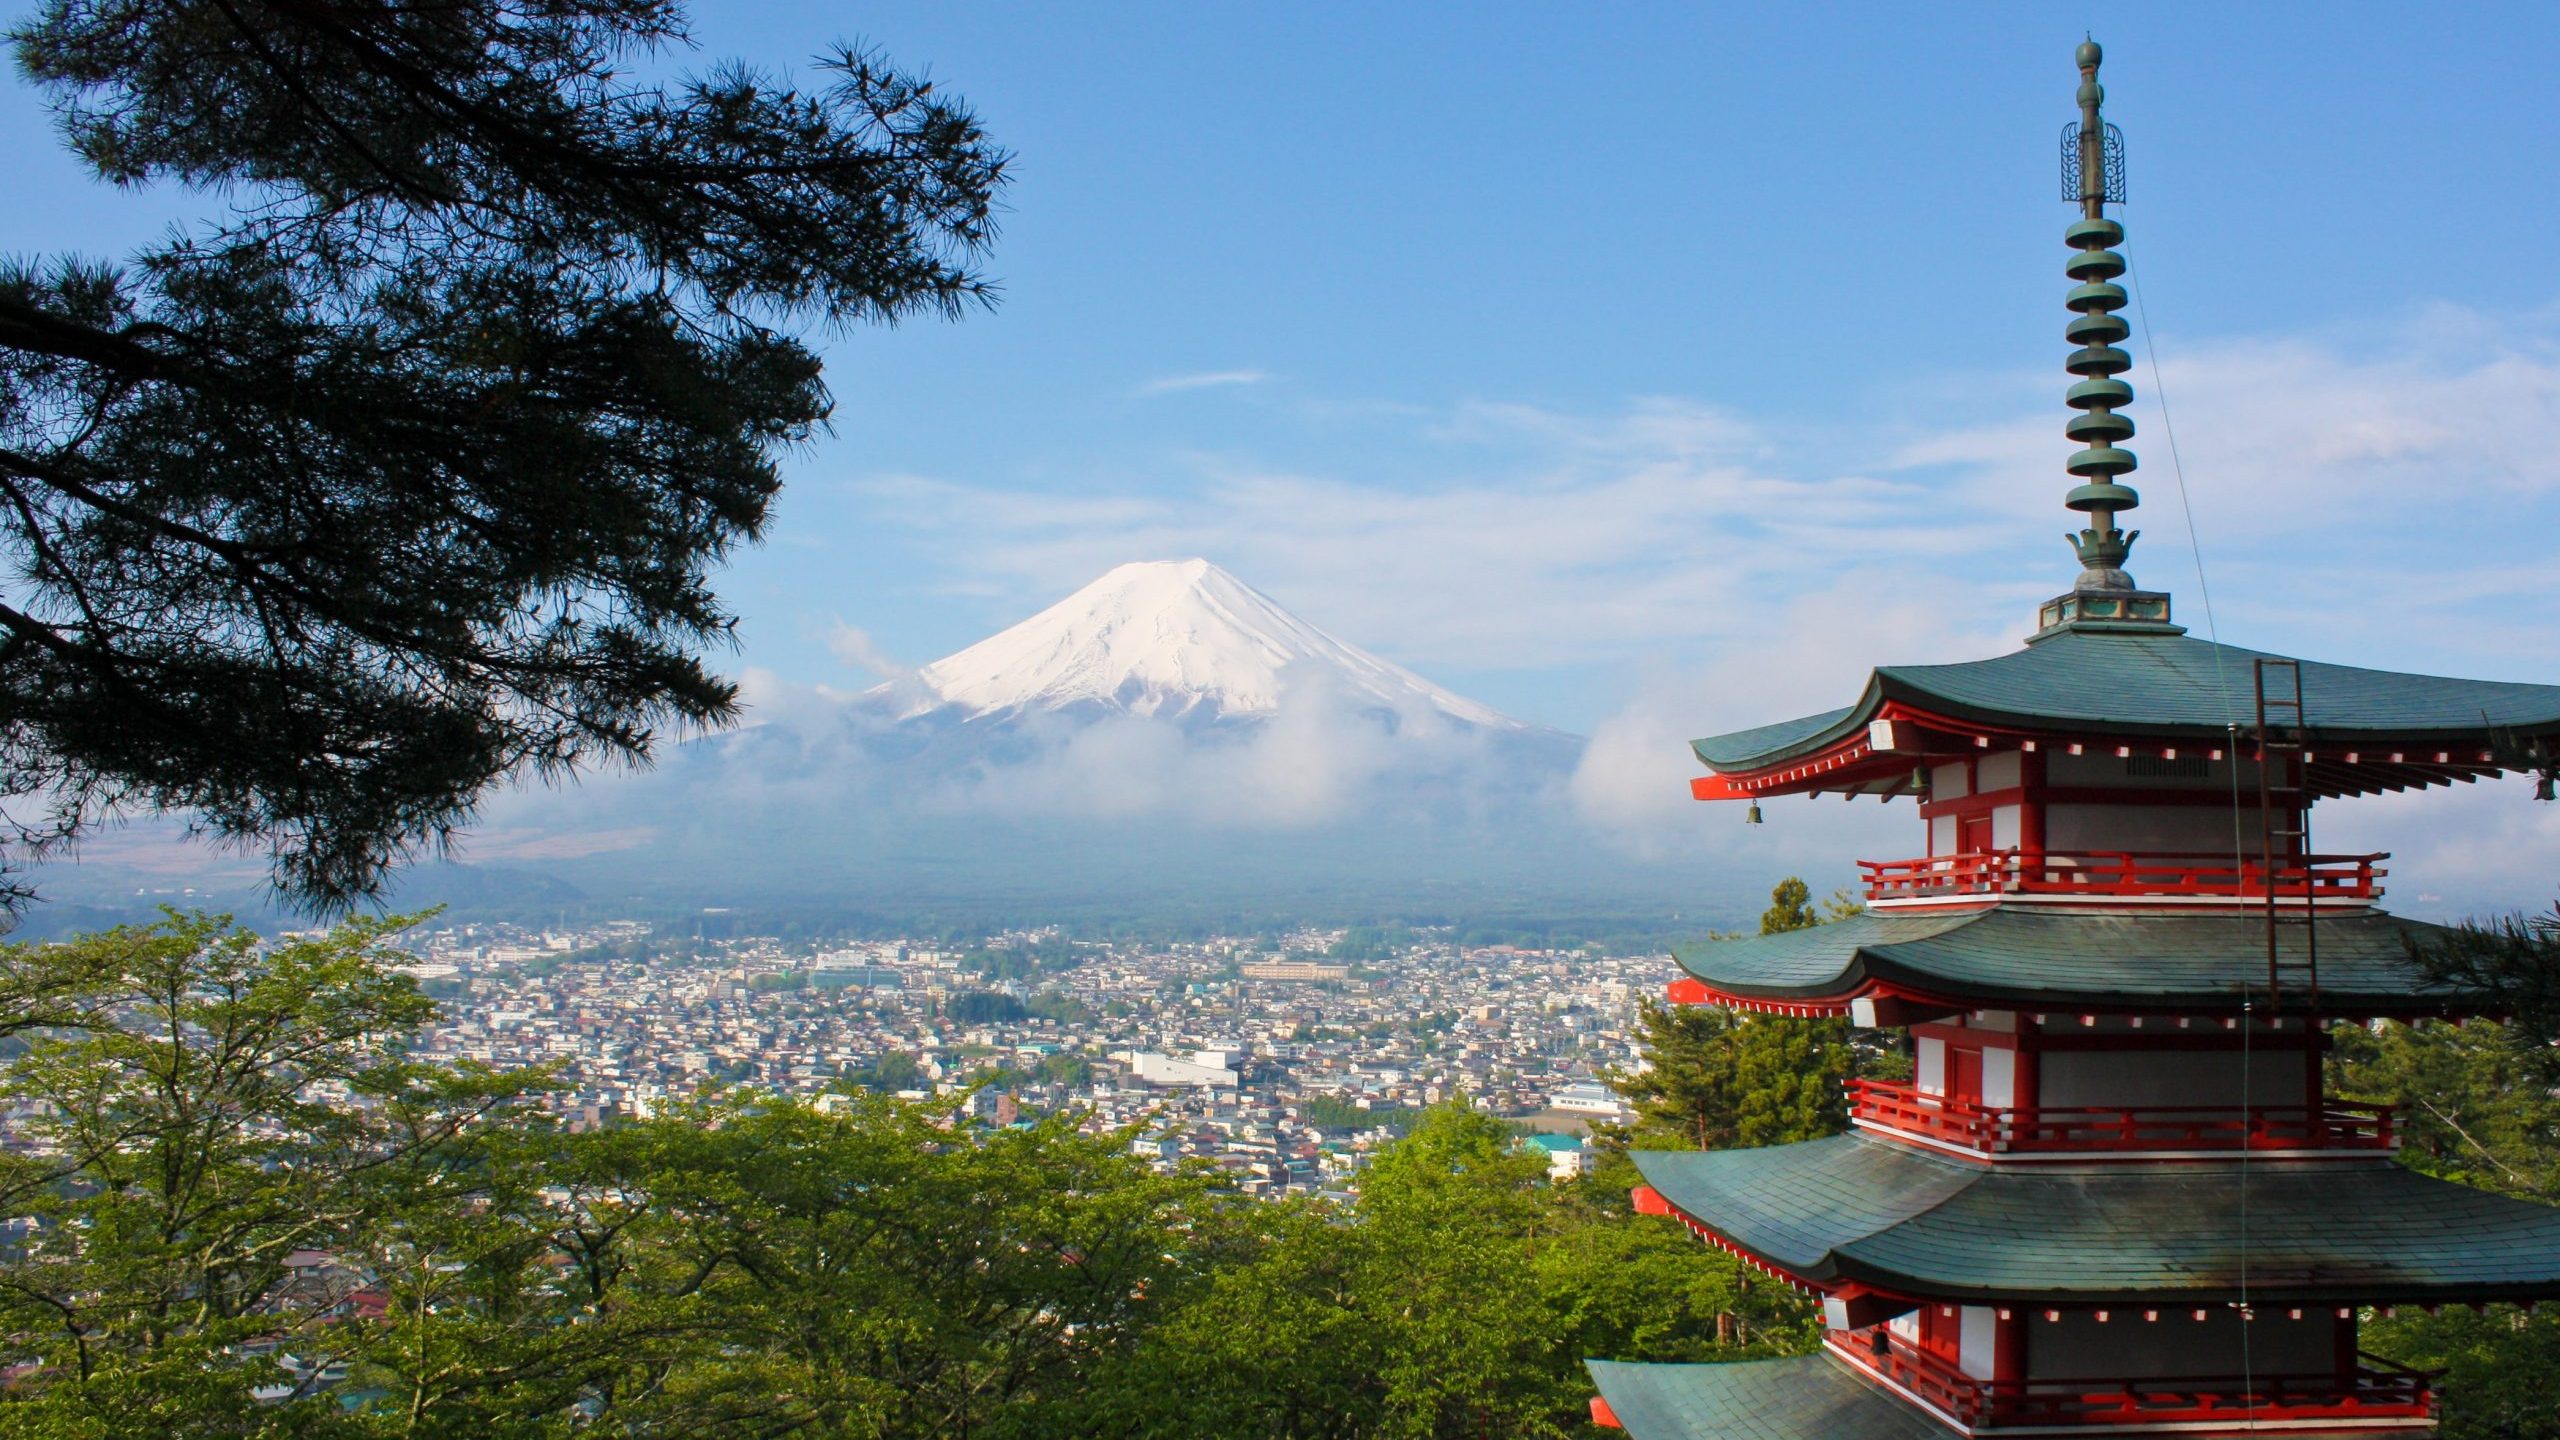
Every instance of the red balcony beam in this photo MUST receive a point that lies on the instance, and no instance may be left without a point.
(2123, 874)
(2330, 1125)
(2360, 1394)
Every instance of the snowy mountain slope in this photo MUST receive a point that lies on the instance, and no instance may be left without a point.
(1174, 639)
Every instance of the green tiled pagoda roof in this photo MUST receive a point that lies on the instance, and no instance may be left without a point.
(2163, 685)
(1809, 1397)
(2008, 957)
(1877, 1213)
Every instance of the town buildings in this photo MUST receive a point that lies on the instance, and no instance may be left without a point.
(1285, 1083)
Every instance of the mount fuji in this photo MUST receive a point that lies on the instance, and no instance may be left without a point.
(1165, 738)
(1165, 742)
(1173, 640)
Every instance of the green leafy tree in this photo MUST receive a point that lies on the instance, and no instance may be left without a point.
(2475, 1104)
(895, 1070)
(1790, 908)
(1457, 1299)
(409, 474)
(209, 1120)
(874, 1273)
(240, 1207)
(1716, 1077)
(2474, 1108)
(1641, 1288)
(2517, 959)
(982, 1007)
(2472, 1104)
(2495, 1368)
(1065, 1069)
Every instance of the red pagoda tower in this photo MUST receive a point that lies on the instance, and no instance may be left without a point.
(2114, 1199)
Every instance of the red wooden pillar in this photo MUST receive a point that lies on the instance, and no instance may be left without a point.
(2031, 810)
(2008, 1357)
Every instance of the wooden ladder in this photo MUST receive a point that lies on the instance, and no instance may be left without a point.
(2284, 830)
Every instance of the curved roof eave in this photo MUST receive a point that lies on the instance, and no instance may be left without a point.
(2003, 957)
(1801, 1397)
(1868, 1211)
(2151, 685)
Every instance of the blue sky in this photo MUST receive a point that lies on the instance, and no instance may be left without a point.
(1646, 369)
(1453, 257)
(1432, 252)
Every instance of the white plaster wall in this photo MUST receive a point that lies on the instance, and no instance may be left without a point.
(1975, 1339)
(1999, 1077)
(1947, 782)
(1930, 1067)
(2003, 771)
(2004, 827)
(1942, 835)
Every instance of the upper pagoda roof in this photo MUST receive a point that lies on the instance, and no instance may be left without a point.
(2092, 681)
(2009, 958)
(1871, 1212)
(1806, 1397)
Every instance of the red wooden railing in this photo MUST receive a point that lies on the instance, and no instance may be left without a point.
(2377, 1390)
(2329, 1125)
(2116, 874)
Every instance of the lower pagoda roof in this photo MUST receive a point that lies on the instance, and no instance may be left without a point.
(2018, 959)
(2166, 685)
(1808, 1397)
(1853, 1209)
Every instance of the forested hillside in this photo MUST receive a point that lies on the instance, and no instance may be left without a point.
(236, 1209)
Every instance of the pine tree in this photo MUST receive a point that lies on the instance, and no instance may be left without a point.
(1719, 1078)
(408, 475)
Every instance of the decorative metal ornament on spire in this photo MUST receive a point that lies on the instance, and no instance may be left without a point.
(2092, 178)
(2096, 329)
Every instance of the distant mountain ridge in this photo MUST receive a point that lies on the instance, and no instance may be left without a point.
(1179, 640)
(1166, 736)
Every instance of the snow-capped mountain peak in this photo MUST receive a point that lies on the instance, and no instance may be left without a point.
(1180, 639)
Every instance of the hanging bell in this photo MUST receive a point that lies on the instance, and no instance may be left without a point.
(1920, 781)
(1752, 816)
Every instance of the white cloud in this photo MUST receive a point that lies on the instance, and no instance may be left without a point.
(854, 646)
(2380, 499)
(2403, 479)
(1203, 380)
(2385, 503)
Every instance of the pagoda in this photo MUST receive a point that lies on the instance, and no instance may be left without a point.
(2114, 1199)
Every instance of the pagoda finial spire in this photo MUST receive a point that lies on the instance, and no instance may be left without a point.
(2093, 178)
(2094, 157)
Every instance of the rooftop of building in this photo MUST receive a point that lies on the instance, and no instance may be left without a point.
(2005, 957)
(1806, 1397)
(1859, 1210)
(2169, 687)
